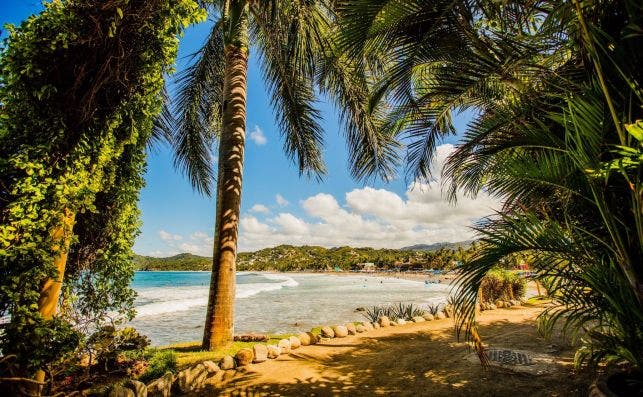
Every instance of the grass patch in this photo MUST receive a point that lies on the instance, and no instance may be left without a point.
(190, 353)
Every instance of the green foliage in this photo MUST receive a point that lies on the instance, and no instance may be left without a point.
(502, 284)
(108, 343)
(80, 84)
(405, 311)
(159, 362)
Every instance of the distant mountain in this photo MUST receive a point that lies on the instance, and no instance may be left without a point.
(176, 262)
(437, 246)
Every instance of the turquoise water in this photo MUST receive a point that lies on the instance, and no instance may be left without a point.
(171, 305)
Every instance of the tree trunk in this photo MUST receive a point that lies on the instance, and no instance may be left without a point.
(219, 323)
(50, 288)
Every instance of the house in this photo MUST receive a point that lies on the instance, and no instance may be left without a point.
(367, 267)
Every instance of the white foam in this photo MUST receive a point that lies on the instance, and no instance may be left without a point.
(161, 300)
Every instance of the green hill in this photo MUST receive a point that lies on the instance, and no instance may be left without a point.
(315, 258)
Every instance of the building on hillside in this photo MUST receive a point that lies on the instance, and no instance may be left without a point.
(367, 267)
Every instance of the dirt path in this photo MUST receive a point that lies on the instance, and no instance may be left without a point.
(421, 359)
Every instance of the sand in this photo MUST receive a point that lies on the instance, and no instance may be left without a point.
(422, 359)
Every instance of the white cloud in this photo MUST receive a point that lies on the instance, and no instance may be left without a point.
(260, 209)
(281, 201)
(257, 136)
(373, 217)
(165, 236)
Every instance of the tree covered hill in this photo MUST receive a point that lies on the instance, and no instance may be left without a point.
(291, 258)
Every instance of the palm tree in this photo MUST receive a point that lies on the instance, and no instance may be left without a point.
(292, 40)
(543, 139)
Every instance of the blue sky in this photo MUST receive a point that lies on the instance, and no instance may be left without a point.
(278, 206)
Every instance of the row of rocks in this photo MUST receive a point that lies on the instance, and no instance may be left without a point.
(499, 304)
(193, 378)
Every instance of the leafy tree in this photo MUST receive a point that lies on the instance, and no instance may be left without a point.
(80, 84)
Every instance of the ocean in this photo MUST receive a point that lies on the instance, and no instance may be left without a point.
(171, 305)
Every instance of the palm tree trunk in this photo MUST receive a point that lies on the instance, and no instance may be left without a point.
(219, 324)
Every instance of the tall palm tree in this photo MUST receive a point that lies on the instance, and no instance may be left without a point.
(292, 39)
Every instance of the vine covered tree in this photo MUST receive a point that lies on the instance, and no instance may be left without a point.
(80, 85)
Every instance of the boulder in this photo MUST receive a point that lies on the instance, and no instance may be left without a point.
(284, 345)
(244, 357)
(492, 306)
(226, 363)
(440, 315)
(384, 321)
(368, 327)
(327, 332)
(191, 378)
(418, 319)
(260, 353)
(251, 338)
(314, 339)
(359, 328)
(304, 339)
(120, 391)
(500, 304)
(274, 351)
(516, 302)
(428, 317)
(161, 387)
(376, 325)
(392, 323)
(340, 331)
(401, 321)
(351, 328)
(508, 304)
(139, 388)
(294, 342)
(211, 367)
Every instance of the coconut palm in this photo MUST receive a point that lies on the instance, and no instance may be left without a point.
(555, 86)
(292, 42)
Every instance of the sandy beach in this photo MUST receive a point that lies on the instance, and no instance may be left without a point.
(422, 359)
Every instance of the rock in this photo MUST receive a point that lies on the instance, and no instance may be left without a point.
(120, 391)
(500, 304)
(351, 328)
(284, 345)
(304, 339)
(376, 325)
(384, 321)
(327, 332)
(360, 309)
(244, 357)
(260, 353)
(211, 367)
(314, 339)
(359, 328)
(508, 304)
(139, 388)
(392, 323)
(401, 321)
(440, 315)
(226, 363)
(368, 327)
(340, 331)
(294, 342)
(492, 306)
(161, 387)
(251, 338)
(428, 317)
(516, 302)
(191, 378)
(274, 351)
(418, 319)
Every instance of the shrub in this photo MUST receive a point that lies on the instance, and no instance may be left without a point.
(401, 310)
(159, 362)
(502, 284)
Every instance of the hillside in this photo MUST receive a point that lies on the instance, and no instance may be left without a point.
(437, 246)
(290, 258)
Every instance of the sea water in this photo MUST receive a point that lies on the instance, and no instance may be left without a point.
(171, 305)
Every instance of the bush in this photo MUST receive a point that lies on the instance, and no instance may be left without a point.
(108, 343)
(502, 284)
(404, 311)
(159, 362)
